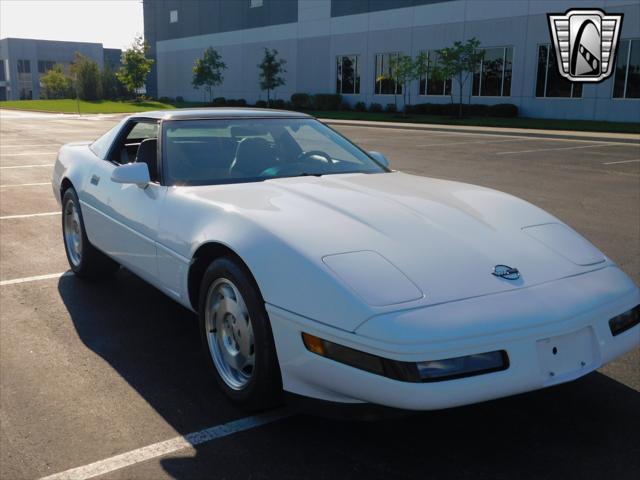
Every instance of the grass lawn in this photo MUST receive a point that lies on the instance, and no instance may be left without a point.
(107, 106)
(99, 106)
(519, 122)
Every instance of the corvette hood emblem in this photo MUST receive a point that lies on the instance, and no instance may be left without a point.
(506, 272)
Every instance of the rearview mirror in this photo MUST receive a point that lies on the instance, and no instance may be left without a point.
(380, 158)
(137, 173)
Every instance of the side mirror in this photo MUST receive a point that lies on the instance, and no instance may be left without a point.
(137, 173)
(380, 158)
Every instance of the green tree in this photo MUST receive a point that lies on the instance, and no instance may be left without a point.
(402, 69)
(135, 66)
(271, 71)
(87, 78)
(458, 62)
(56, 84)
(208, 71)
(111, 86)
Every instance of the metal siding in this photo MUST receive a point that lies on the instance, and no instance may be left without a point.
(201, 17)
(340, 8)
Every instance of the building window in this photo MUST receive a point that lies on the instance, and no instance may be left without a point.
(627, 74)
(492, 77)
(173, 16)
(24, 80)
(348, 74)
(255, 3)
(385, 84)
(433, 86)
(3, 73)
(549, 82)
(44, 66)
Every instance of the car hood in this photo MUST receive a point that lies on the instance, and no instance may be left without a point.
(415, 240)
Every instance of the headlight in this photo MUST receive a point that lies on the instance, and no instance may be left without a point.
(417, 372)
(625, 321)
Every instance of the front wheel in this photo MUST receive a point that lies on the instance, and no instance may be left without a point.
(236, 336)
(84, 259)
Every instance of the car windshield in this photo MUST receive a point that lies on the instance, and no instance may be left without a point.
(208, 152)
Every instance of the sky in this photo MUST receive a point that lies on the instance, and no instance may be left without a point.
(114, 23)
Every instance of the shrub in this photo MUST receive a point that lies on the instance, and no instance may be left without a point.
(360, 107)
(429, 108)
(301, 101)
(241, 102)
(179, 98)
(279, 104)
(261, 104)
(391, 108)
(219, 102)
(288, 106)
(503, 110)
(409, 109)
(327, 101)
(345, 106)
(165, 99)
(477, 110)
(375, 108)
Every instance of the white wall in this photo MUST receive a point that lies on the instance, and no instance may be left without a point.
(311, 46)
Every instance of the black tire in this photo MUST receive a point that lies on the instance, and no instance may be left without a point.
(264, 388)
(91, 263)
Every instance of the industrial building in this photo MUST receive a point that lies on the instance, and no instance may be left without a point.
(344, 46)
(23, 61)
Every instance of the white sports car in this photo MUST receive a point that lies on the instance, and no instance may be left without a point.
(317, 270)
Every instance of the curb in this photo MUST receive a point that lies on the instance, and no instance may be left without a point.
(511, 132)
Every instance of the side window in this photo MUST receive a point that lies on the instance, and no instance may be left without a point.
(127, 148)
(101, 146)
(142, 131)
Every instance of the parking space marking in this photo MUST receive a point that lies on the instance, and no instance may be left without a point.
(29, 166)
(24, 185)
(622, 161)
(159, 449)
(552, 149)
(29, 215)
(27, 154)
(25, 146)
(35, 278)
(466, 143)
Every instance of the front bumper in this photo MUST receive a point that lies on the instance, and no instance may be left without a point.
(570, 315)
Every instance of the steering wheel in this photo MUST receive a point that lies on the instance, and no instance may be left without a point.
(304, 156)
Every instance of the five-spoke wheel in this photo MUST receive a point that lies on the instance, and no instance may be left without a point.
(236, 335)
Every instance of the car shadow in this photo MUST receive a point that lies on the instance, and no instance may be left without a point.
(589, 428)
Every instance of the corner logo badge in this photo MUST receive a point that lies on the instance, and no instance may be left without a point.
(586, 43)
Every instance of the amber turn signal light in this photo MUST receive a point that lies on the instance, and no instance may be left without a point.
(313, 344)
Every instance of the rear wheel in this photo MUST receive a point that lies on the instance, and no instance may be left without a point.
(236, 336)
(84, 259)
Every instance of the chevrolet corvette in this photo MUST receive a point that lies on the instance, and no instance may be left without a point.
(317, 270)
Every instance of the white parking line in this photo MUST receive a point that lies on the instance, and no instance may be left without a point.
(24, 185)
(621, 161)
(29, 166)
(28, 215)
(551, 149)
(27, 154)
(159, 449)
(36, 278)
(466, 143)
(4, 145)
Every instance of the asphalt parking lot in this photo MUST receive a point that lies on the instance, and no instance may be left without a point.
(112, 372)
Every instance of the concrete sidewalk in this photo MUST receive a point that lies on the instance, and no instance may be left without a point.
(517, 132)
